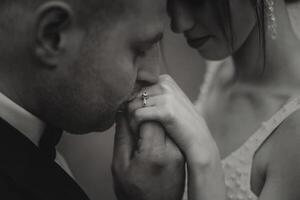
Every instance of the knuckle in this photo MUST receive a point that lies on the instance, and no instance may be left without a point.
(162, 77)
(154, 158)
(168, 113)
(167, 101)
(178, 158)
(166, 161)
(136, 115)
(166, 77)
(166, 82)
(166, 87)
(161, 88)
(157, 163)
(168, 98)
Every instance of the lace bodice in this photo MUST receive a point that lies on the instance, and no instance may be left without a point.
(237, 166)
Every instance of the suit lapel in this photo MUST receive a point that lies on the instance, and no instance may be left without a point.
(31, 170)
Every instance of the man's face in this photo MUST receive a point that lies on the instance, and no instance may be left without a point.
(118, 56)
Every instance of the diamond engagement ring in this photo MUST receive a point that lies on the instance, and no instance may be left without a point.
(145, 97)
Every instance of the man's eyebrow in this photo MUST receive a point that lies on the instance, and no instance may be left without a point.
(157, 38)
(148, 42)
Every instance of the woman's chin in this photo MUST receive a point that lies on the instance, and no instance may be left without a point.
(214, 52)
(213, 56)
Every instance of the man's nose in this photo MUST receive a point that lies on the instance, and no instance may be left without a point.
(181, 16)
(149, 66)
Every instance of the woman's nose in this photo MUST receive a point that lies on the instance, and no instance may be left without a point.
(181, 16)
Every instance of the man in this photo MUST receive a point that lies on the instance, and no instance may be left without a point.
(70, 65)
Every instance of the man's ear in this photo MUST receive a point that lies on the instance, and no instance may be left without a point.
(56, 33)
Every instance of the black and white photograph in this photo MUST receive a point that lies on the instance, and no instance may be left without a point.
(149, 99)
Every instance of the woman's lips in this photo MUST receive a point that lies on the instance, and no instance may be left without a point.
(197, 42)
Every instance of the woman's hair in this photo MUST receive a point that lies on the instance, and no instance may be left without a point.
(260, 8)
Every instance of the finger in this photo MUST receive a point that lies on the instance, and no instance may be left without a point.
(158, 89)
(152, 136)
(152, 90)
(170, 86)
(153, 113)
(173, 150)
(175, 92)
(123, 144)
(158, 114)
(139, 103)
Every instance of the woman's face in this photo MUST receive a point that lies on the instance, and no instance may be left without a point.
(209, 29)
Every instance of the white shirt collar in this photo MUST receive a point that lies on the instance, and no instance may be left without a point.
(25, 122)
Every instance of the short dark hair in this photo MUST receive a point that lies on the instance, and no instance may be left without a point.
(86, 9)
(14, 15)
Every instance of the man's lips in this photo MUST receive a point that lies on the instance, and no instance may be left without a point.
(132, 96)
(122, 107)
(197, 42)
(136, 91)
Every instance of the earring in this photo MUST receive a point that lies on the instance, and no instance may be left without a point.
(271, 23)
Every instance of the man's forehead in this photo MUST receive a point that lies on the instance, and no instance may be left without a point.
(138, 6)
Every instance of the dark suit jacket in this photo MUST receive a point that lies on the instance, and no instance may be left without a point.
(27, 174)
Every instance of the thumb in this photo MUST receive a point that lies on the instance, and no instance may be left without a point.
(123, 144)
(152, 137)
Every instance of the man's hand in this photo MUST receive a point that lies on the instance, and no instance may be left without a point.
(150, 167)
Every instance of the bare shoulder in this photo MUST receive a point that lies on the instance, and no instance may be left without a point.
(287, 136)
(282, 177)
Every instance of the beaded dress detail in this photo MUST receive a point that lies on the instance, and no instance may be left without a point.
(237, 166)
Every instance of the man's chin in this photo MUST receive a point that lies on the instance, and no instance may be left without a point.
(101, 124)
(106, 126)
(100, 127)
(109, 121)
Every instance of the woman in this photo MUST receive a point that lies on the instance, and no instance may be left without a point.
(251, 120)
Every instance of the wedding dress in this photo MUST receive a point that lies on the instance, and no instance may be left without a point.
(237, 166)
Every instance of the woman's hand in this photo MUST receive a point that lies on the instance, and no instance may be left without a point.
(167, 104)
